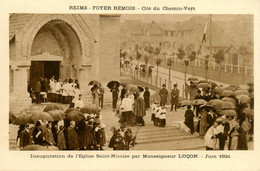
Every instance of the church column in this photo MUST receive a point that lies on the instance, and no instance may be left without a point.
(20, 98)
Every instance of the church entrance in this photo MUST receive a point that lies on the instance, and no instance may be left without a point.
(44, 69)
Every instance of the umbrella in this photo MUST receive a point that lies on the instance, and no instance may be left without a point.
(70, 109)
(111, 84)
(227, 93)
(40, 148)
(75, 115)
(94, 82)
(213, 84)
(203, 81)
(199, 102)
(185, 103)
(126, 62)
(12, 117)
(228, 105)
(206, 107)
(228, 112)
(134, 88)
(218, 90)
(203, 85)
(236, 87)
(241, 96)
(142, 65)
(245, 99)
(230, 88)
(244, 87)
(151, 66)
(57, 115)
(229, 99)
(250, 84)
(240, 92)
(89, 110)
(214, 102)
(44, 116)
(192, 78)
(23, 119)
(50, 107)
(248, 111)
(94, 87)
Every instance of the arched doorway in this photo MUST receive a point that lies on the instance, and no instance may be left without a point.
(56, 50)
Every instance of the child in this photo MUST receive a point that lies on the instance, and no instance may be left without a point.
(162, 117)
(154, 106)
(157, 115)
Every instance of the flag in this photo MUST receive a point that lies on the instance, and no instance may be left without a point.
(204, 34)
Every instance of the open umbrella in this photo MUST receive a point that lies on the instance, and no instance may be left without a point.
(70, 109)
(230, 88)
(229, 99)
(142, 65)
(94, 82)
(23, 119)
(151, 66)
(53, 106)
(134, 88)
(206, 107)
(44, 116)
(245, 99)
(227, 93)
(228, 105)
(213, 84)
(185, 103)
(126, 62)
(241, 96)
(12, 117)
(75, 115)
(203, 85)
(35, 147)
(244, 87)
(248, 111)
(203, 81)
(199, 102)
(89, 110)
(228, 112)
(236, 87)
(57, 115)
(192, 78)
(240, 92)
(112, 83)
(218, 90)
(214, 102)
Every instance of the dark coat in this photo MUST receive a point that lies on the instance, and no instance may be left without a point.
(139, 107)
(210, 119)
(175, 96)
(123, 92)
(115, 92)
(73, 143)
(37, 87)
(163, 94)
(25, 138)
(39, 139)
(189, 121)
(147, 98)
(242, 140)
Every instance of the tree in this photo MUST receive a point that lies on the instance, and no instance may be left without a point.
(219, 57)
(138, 55)
(181, 53)
(191, 53)
(158, 60)
(169, 63)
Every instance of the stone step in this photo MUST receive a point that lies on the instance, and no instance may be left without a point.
(164, 139)
(162, 131)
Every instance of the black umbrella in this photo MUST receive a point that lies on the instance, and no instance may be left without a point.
(112, 83)
(12, 117)
(94, 82)
(151, 66)
(90, 110)
(50, 107)
(94, 87)
(143, 65)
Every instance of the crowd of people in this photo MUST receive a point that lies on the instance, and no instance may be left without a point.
(52, 90)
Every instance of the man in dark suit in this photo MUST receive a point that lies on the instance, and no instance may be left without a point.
(163, 94)
(25, 137)
(37, 91)
(73, 143)
(175, 97)
(115, 92)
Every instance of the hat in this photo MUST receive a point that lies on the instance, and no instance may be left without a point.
(189, 106)
(164, 85)
(175, 85)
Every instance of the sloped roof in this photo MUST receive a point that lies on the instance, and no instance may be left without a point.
(16, 22)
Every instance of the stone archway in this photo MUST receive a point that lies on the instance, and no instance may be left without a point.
(68, 30)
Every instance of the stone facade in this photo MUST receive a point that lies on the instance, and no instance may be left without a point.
(84, 45)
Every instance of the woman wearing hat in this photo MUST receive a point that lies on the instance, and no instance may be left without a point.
(189, 121)
(139, 109)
